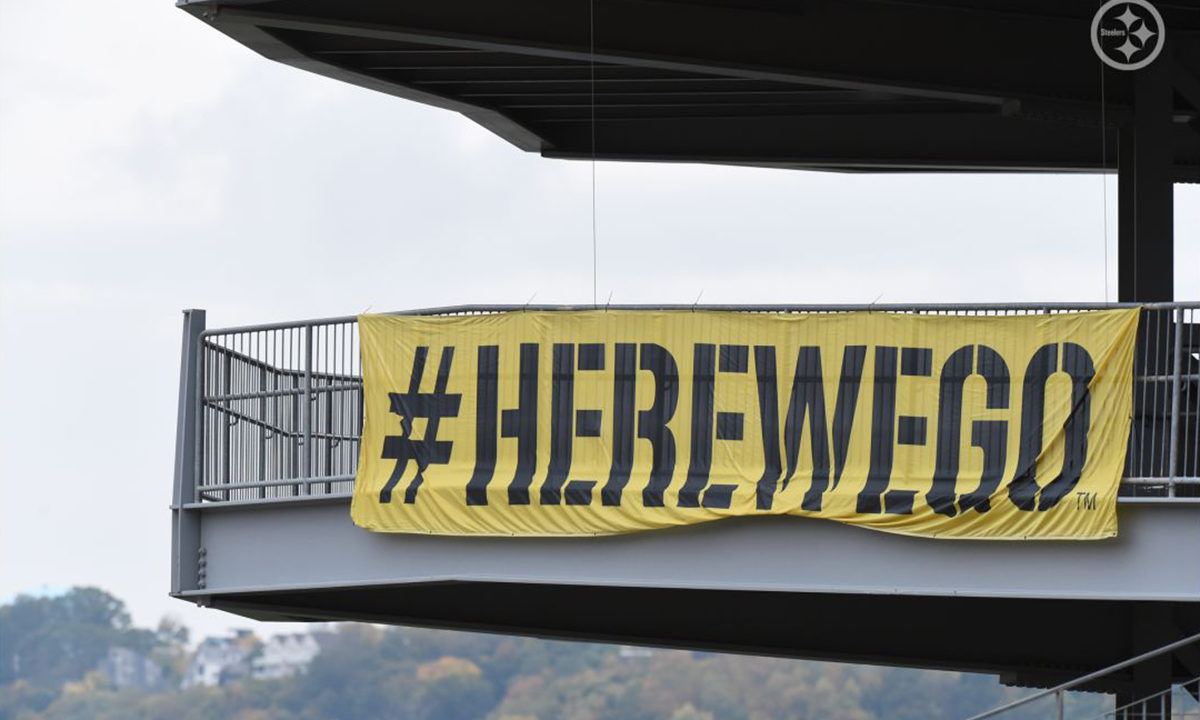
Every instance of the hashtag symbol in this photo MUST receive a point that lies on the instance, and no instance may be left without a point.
(415, 404)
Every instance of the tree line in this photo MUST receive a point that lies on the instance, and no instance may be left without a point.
(51, 649)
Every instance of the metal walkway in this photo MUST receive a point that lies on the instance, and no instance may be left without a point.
(268, 440)
(260, 441)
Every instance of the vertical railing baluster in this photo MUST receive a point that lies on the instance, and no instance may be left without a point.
(1173, 453)
(227, 419)
(1191, 452)
(1142, 413)
(201, 419)
(331, 379)
(295, 419)
(262, 430)
(306, 455)
(329, 431)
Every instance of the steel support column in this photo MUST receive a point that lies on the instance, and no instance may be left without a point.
(185, 524)
(1145, 255)
(1148, 695)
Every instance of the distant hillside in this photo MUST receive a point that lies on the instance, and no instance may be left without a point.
(57, 660)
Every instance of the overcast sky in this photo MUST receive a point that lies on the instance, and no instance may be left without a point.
(149, 164)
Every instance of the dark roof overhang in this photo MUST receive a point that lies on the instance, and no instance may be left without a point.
(944, 85)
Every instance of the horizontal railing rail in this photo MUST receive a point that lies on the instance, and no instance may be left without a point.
(1155, 706)
(279, 405)
(1166, 704)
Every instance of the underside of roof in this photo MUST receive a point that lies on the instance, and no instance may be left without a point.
(1037, 643)
(944, 85)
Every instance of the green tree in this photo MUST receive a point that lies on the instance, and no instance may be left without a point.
(49, 640)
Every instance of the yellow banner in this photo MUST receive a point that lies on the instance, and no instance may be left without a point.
(587, 423)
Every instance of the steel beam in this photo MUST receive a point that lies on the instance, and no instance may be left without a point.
(185, 523)
(1031, 82)
(1145, 254)
(836, 44)
(1148, 696)
(637, 34)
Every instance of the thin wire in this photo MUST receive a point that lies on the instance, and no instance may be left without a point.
(592, 71)
(1104, 173)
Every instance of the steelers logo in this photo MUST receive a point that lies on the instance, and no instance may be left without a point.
(1128, 34)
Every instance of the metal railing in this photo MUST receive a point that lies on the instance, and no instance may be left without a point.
(1162, 705)
(1174, 703)
(279, 406)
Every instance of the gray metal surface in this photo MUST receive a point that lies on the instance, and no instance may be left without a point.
(185, 524)
(314, 546)
(258, 535)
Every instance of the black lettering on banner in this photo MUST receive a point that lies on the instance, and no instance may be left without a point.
(521, 423)
(911, 430)
(624, 385)
(566, 423)
(487, 375)
(416, 404)
(941, 496)
(703, 384)
(1077, 363)
(696, 490)
(768, 410)
(591, 356)
(730, 425)
(587, 423)
(562, 412)
(652, 423)
(1024, 491)
(914, 362)
(990, 436)
(807, 401)
(808, 398)
(873, 498)
(854, 357)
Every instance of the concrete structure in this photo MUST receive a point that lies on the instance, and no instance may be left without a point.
(262, 528)
(267, 443)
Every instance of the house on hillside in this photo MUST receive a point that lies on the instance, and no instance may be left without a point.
(219, 660)
(284, 655)
(126, 668)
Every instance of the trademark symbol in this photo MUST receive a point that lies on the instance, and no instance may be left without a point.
(1085, 501)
